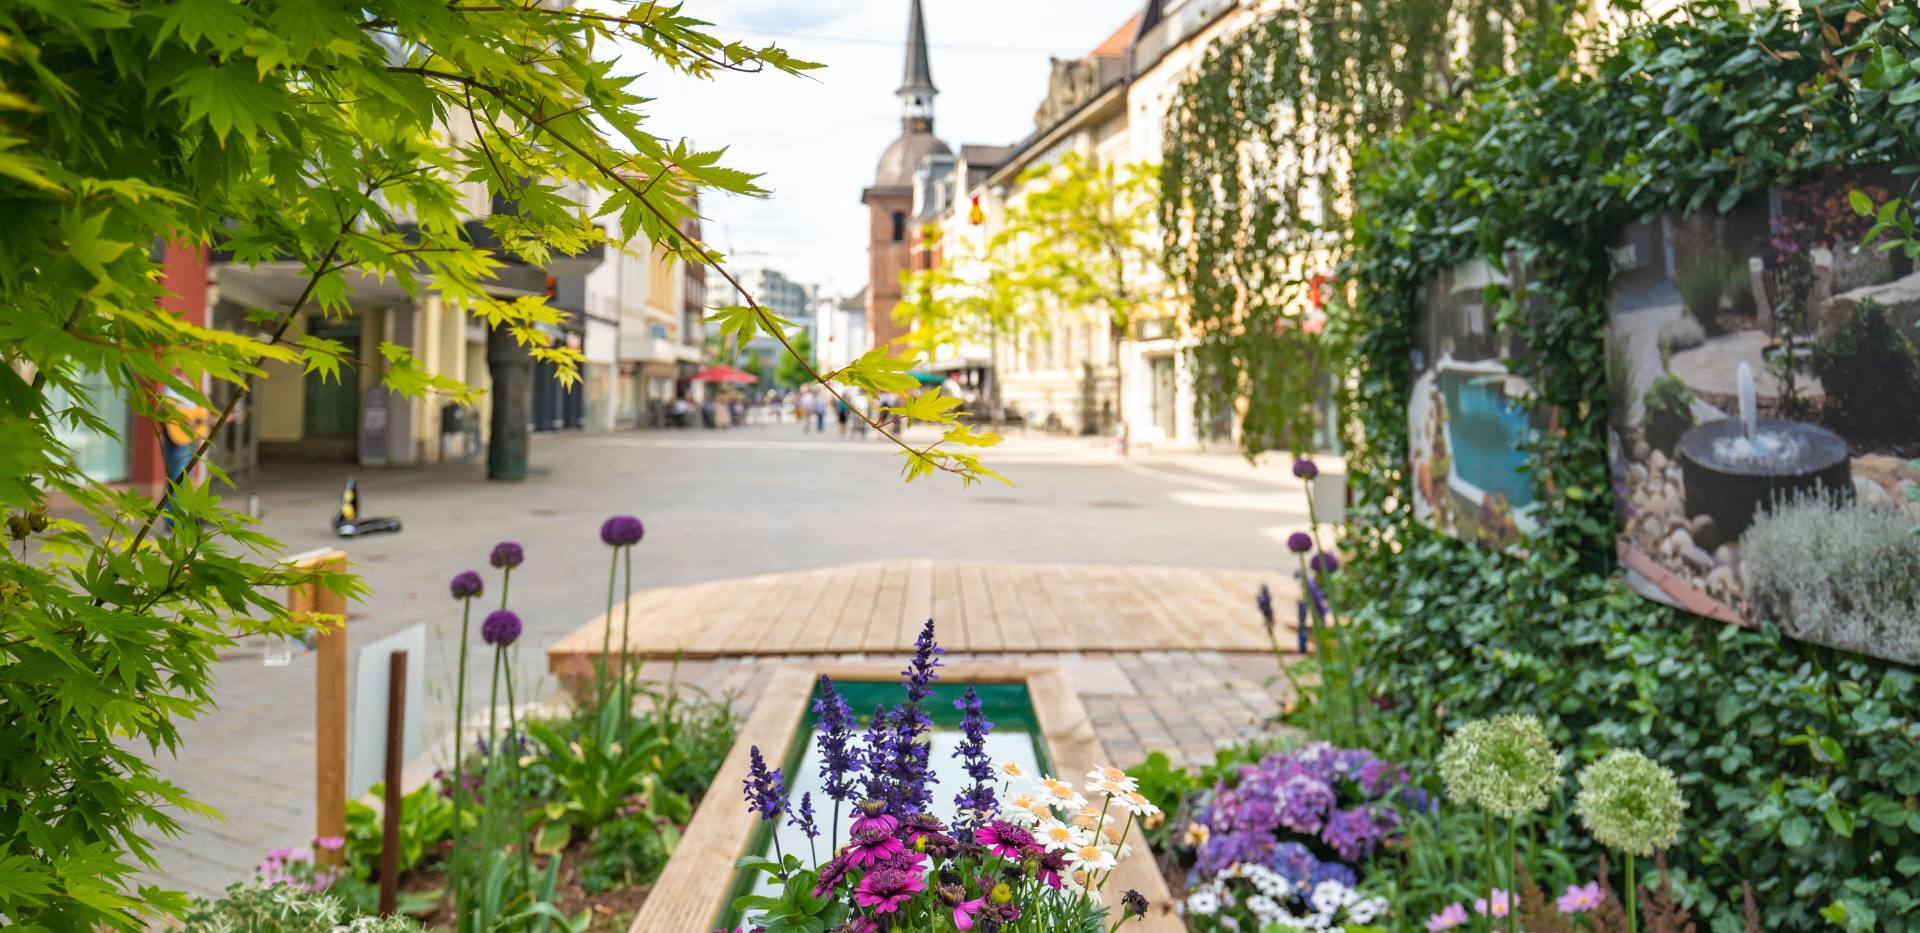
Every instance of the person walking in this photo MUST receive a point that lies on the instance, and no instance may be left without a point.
(841, 412)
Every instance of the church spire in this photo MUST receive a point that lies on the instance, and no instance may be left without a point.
(916, 87)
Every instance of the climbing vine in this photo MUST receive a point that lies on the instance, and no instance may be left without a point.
(1260, 145)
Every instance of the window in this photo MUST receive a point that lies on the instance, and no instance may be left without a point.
(899, 226)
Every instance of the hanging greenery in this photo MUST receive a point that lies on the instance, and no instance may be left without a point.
(1259, 148)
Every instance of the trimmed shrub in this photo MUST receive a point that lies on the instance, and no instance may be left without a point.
(1837, 574)
(1682, 333)
(1871, 373)
(286, 908)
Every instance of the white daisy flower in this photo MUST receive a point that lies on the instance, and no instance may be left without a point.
(1091, 857)
(1136, 803)
(1059, 837)
(1012, 772)
(1061, 794)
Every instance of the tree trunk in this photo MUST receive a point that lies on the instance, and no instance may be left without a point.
(512, 371)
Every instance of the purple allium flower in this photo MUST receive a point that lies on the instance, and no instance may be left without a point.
(507, 555)
(1351, 833)
(1263, 601)
(1304, 468)
(802, 818)
(1304, 802)
(622, 530)
(978, 799)
(501, 628)
(837, 759)
(1324, 564)
(1299, 542)
(766, 793)
(466, 585)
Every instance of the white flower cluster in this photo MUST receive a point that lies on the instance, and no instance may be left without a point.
(1328, 905)
(1089, 832)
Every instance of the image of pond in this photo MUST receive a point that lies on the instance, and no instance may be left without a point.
(1468, 415)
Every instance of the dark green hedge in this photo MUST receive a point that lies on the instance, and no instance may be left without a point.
(1801, 765)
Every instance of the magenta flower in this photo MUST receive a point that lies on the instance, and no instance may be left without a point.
(1450, 916)
(873, 818)
(466, 585)
(1580, 898)
(1495, 904)
(963, 912)
(1004, 839)
(622, 531)
(830, 875)
(872, 847)
(501, 628)
(886, 889)
(329, 843)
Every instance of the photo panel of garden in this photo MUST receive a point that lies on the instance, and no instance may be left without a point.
(1766, 415)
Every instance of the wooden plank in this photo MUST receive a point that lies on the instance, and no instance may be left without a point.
(1010, 613)
(862, 597)
(785, 627)
(1130, 628)
(976, 607)
(883, 622)
(950, 620)
(816, 636)
(1173, 598)
(688, 894)
(761, 595)
(1048, 626)
(329, 696)
(919, 606)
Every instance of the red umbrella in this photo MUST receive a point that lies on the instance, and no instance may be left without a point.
(725, 374)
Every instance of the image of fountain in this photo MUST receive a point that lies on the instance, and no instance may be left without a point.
(1735, 468)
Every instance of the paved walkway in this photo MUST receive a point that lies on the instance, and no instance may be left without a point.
(720, 505)
(981, 606)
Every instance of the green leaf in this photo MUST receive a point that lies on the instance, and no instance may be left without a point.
(1795, 832)
(1862, 204)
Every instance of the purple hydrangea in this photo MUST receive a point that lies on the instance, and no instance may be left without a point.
(1351, 833)
(622, 531)
(507, 555)
(1299, 542)
(466, 585)
(1304, 802)
(1293, 861)
(501, 628)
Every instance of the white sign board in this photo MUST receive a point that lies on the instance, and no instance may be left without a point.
(367, 747)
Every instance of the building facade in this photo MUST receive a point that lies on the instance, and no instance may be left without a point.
(891, 233)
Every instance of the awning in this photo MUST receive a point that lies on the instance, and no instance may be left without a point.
(725, 374)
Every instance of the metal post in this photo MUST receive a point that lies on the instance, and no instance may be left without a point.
(512, 371)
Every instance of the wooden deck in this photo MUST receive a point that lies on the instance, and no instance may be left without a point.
(979, 607)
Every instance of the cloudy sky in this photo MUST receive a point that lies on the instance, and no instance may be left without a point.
(816, 139)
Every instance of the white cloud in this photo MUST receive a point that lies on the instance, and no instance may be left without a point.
(817, 139)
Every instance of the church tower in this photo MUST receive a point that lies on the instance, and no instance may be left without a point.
(890, 198)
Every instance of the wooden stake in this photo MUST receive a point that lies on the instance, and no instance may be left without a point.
(330, 709)
(396, 747)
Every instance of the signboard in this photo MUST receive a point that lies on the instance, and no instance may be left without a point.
(368, 745)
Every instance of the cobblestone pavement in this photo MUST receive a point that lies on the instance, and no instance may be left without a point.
(719, 505)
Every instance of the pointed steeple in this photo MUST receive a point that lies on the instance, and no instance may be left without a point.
(916, 86)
